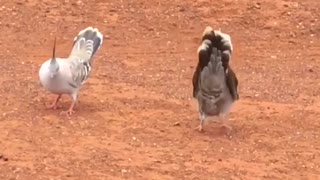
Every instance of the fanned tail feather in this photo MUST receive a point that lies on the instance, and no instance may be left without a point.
(86, 43)
(217, 49)
(85, 46)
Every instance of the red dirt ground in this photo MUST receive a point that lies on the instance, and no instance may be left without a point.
(135, 118)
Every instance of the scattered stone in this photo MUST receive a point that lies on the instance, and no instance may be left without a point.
(2, 157)
(257, 5)
(177, 124)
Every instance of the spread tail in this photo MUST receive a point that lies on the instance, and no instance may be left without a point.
(213, 66)
(86, 44)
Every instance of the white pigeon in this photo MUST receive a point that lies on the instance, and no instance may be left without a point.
(67, 75)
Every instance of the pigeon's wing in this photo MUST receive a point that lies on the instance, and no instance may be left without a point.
(232, 83)
(204, 52)
(79, 71)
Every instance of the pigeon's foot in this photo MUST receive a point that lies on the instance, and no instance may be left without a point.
(227, 128)
(69, 112)
(226, 124)
(199, 128)
(54, 105)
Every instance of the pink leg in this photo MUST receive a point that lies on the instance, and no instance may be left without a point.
(70, 111)
(54, 105)
(226, 124)
(202, 117)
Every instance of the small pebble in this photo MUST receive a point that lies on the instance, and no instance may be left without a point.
(177, 124)
(4, 158)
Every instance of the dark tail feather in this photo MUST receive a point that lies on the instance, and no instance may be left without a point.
(232, 83)
(88, 40)
(95, 36)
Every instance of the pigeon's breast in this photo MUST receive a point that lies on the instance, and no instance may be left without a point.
(56, 84)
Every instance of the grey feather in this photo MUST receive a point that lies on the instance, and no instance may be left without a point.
(216, 86)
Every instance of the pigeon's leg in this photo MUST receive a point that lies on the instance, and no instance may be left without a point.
(54, 105)
(202, 117)
(226, 122)
(70, 111)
